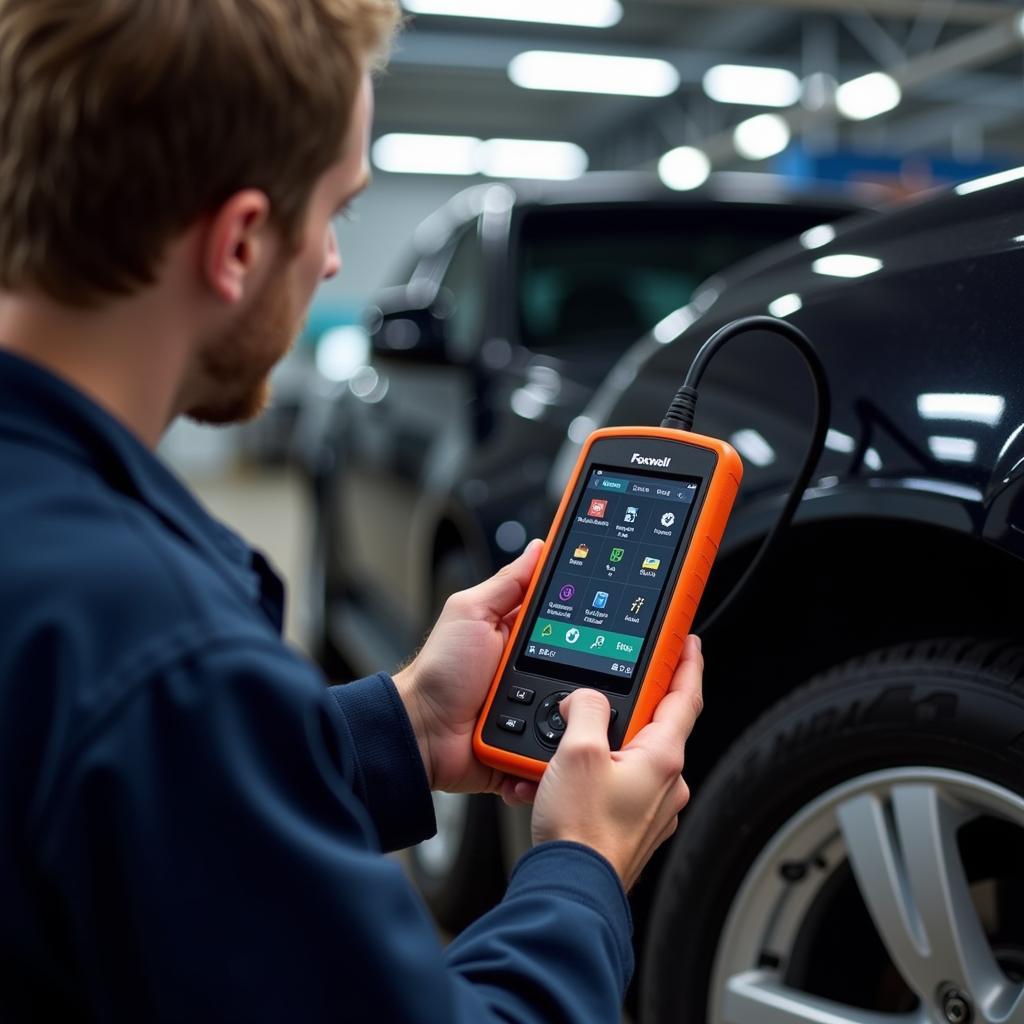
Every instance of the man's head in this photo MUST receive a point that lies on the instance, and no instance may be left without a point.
(126, 125)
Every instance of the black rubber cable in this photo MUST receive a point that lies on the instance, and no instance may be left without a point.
(681, 413)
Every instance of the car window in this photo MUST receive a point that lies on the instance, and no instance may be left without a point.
(607, 275)
(464, 280)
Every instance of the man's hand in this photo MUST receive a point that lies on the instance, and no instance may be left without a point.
(622, 803)
(444, 687)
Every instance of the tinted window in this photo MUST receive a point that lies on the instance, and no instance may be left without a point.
(602, 274)
(464, 278)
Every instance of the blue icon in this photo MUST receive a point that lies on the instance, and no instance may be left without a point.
(600, 599)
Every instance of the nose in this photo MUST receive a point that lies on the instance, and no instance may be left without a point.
(332, 257)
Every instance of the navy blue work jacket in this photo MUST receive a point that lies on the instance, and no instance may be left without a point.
(191, 822)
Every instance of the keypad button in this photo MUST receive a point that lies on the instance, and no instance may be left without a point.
(520, 695)
(510, 724)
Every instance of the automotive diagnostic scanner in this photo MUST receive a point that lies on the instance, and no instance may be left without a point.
(615, 591)
(624, 567)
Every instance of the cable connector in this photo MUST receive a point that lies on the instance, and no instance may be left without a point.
(682, 410)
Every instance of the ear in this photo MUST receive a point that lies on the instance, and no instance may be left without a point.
(236, 244)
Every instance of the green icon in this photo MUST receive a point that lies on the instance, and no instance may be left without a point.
(616, 555)
(546, 631)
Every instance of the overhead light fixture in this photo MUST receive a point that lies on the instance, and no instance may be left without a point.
(986, 409)
(586, 13)
(667, 330)
(846, 265)
(989, 181)
(402, 153)
(753, 447)
(762, 136)
(839, 442)
(524, 158)
(868, 96)
(816, 237)
(593, 72)
(953, 449)
(752, 86)
(684, 168)
(786, 305)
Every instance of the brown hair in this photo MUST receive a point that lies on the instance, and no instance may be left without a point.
(122, 122)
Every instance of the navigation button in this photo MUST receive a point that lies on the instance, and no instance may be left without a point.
(521, 695)
(510, 724)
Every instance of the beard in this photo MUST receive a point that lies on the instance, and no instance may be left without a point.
(236, 366)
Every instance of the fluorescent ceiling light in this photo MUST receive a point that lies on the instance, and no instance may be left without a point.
(839, 442)
(684, 168)
(987, 409)
(953, 449)
(427, 154)
(846, 265)
(868, 96)
(753, 86)
(588, 13)
(753, 447)
(762, 136)
(786, 305)
(816, 237)
(591, 72)
(523, 158)
(989, 181)
(674, 324)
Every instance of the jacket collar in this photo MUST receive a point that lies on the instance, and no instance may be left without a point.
(42, 409)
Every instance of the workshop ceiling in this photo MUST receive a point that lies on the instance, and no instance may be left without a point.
(959, 65)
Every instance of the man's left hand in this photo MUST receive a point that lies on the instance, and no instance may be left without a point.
(444, 687)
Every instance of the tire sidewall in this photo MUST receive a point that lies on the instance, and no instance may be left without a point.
(860, 719)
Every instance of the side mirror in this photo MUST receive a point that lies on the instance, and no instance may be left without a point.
(408, 323)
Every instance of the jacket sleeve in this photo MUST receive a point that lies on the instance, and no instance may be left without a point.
(207, 858)
(388, 773)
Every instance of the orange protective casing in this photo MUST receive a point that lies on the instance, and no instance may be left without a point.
(700, 556)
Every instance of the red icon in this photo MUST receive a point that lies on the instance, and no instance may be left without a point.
(597, 508)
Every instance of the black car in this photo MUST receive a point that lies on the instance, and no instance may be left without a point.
(516, 307)
(854, 850)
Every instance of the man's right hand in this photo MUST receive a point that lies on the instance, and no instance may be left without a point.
(622, 803)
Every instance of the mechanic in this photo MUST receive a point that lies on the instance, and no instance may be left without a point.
(191, 822)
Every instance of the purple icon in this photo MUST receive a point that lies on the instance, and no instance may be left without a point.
(567, 592)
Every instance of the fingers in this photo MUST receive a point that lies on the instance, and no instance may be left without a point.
(587, 714)
(504, 591)
(684, 701)
(517, 792)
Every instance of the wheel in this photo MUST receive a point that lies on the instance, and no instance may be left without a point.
(460, 871)
(858, 856)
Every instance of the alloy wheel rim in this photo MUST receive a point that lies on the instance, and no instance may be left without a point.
(896, 830)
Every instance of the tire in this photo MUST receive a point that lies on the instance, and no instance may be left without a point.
(889, 790)
(461, 871)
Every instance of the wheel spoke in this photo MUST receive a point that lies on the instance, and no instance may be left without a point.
(905, 858)
(757, 997)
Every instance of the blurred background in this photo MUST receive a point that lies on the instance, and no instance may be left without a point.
(620, 106)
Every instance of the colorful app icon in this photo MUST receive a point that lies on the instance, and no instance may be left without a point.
(568, 592)
(547, 630)
(582, 550)
(637, 604)
(601, 599)
(651, 563)
(597, 509)
(631, 513)
(617, 554)
(572, 636)
(668, 519)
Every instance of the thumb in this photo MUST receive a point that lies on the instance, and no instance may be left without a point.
(504, 591)
(587, 714)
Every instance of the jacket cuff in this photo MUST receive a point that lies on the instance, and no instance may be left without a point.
(584, 876)
(391, 780)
